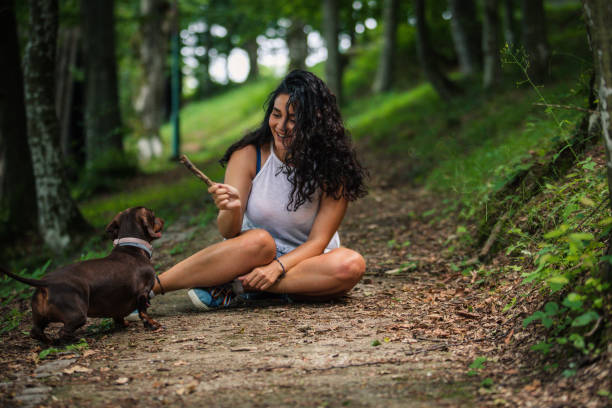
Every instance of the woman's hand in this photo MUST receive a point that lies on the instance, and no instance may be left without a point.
(226, 197)
(261, 278)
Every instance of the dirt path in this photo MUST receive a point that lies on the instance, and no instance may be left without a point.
(406, 335)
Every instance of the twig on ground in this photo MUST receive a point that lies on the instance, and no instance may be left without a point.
(183, 159)
(468, 315)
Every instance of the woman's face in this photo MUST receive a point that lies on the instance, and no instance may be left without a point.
(281, 124)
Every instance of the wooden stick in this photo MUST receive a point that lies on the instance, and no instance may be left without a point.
(183, 159)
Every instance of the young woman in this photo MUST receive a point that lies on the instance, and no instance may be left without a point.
(286, 190)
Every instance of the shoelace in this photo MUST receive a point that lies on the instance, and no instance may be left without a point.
(225, 292)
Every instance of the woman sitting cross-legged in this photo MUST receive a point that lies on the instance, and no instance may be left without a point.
(287, 186)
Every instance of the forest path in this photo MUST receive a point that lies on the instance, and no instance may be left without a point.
(405, 336)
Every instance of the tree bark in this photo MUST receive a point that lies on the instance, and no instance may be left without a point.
(17, 190)
(58, 216)
(204, 79)
(298, 45)
(252, 48)
(102, 122)
(510, 30)
(384, 74)
(490, 44)
(153, 55)
(443, 86)
(67, 50)
(535, 40)
(333, 65)
(598, 14)
(466, 35)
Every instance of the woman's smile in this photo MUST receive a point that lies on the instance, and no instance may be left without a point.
(281, 124)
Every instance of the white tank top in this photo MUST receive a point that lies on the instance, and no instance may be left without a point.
(267, 208)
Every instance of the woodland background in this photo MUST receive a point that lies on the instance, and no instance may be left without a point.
(498, 109)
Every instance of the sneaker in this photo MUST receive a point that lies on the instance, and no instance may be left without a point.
(133, 317)
(212, 298)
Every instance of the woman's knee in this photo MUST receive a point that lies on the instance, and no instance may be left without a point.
(351, 267)
(259, 243)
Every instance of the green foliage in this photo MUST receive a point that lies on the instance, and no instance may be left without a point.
(11, 320)
(102, 175)
(76, 347)
(11, 289)
(477, 365)
(103, 326)
(568, 258)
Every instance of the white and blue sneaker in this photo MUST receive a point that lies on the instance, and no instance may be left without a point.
(212, 298)
(133, 317)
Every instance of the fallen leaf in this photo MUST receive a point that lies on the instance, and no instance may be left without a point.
(77, 369)
(122, 380)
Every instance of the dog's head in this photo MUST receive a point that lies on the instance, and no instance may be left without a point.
(139, 222)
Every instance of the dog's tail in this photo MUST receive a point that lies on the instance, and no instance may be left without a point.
(32, 282)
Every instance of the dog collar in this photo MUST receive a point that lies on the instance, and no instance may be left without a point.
(135, 242)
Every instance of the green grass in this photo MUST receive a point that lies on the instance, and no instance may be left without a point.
(207, 127)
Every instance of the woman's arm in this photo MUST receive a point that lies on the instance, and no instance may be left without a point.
(328, 219)
(231, 197)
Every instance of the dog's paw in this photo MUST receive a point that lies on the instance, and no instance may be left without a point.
(152, 325)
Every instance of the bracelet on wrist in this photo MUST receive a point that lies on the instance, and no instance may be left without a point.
(282, 266)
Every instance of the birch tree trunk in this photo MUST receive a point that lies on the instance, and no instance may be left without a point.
(535, 40)
(490, 44)
(58, 216)
(333, 65)
(153, 54)
(384, 73)
(17, 191)
(443, 86)
(103, 132)
(598, 14)
(466, 35)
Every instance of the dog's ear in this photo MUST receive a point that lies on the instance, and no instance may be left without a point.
(151, 223)
(112, 229)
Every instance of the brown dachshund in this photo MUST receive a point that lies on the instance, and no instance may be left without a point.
(113, 286)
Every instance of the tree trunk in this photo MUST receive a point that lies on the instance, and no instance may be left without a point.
(252, 48)
(384, 74)
(598, 14)
(102, 122)
(205, 82)
(443, 86)
(17, 190)
(153, 55)
(490, 44)
(534, 39)
(67, 50)
(466, 35)
(298, 45)
(58, 215)
(333, 65)
(510, 30)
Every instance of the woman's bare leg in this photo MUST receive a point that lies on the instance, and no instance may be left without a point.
(327, 275)
(220, 263)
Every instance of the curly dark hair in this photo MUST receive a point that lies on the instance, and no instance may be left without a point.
(320, 154)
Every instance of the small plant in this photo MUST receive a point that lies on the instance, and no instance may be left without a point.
(567, 262)
(476, 366)
(77, 347)
(178, 249)
(11, 320)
